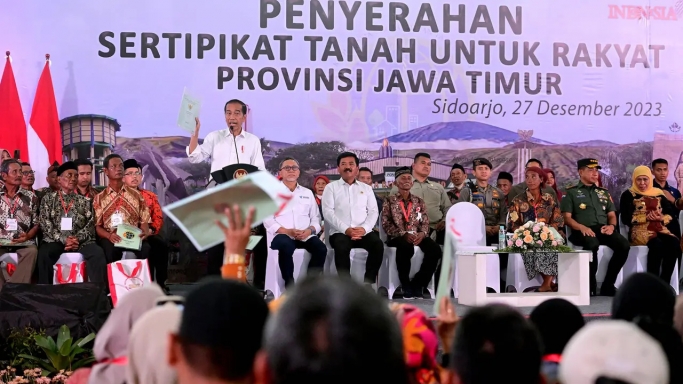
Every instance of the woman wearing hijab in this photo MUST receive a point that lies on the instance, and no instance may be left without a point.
(147, 346)
(534, 205)
(650, 218)
(420, 344)
(557, 320)
(4, 155)
(551, 182)
(111, 342)
(649, 302)
(319, 184)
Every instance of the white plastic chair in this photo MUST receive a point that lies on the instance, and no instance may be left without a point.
(604, 255)
(388, 272)
(274, 281)
(358, 257)
(637, 260)
(468, 220)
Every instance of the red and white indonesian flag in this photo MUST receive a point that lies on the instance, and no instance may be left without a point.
(12, 123)
(44, 134)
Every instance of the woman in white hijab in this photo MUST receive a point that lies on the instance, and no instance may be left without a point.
(147, 346)
(111, 343)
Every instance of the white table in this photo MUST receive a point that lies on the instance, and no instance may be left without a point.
(572, 279)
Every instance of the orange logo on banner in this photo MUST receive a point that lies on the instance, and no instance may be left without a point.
(240, 173)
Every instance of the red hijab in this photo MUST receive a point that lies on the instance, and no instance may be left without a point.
(554, 186)
(315, 194)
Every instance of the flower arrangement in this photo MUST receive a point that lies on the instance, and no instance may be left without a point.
(535, 236)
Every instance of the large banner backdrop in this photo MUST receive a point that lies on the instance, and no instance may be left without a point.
(556, 80)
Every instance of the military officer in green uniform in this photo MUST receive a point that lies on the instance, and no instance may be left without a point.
(590, 213)
(488, 198)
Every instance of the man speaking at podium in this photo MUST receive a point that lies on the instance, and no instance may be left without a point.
(227, 146)
(223, 148)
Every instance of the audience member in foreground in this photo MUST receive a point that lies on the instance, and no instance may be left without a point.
(613, 352)
(653, 221)
(28, 177)
(649, 302)
(331, 330)
(220, 332)
(148, 342)
(533, 205)
(495, 344)
(556, 320)
(111, 343)
(420, 344)
(406, 223)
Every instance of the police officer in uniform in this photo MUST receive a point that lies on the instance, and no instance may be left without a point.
(590, 212)
(488, 198)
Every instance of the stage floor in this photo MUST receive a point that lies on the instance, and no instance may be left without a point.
(600, 307)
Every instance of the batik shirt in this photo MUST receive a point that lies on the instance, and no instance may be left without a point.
(23, 207)
(394, 214)
(129, 203)
(156, 216)
(80, 210)
(523, 209)
(90, 192)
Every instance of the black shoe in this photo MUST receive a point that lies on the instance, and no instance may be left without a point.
(409, 294)
(608, 290)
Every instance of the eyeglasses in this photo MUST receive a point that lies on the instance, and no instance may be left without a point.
(29, 173)
(290, 168)
(69, 175)
(132, 174)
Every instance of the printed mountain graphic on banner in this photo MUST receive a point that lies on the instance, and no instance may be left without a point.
(459, 130)
(595, 143)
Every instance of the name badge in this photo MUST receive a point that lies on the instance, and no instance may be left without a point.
(11, 225)
(116, 220)
(67, 224)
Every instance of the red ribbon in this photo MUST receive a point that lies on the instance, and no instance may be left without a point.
(552, 358)
(121, 360)
(135, 272)
(10, 269)
(72, 274)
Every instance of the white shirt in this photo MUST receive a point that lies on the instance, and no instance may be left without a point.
(219, 148)
(349, 205)
(300, 213)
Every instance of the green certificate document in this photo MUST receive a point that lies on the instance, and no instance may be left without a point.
(130, 237)
(190, 107)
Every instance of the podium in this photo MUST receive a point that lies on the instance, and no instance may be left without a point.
(233, 171)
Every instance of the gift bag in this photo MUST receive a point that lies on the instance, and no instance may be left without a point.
(8, 264)
(69, 273)
(8, 269)
(126, 275)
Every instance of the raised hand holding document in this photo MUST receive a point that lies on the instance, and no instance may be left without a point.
(190, 107)
(196, 215)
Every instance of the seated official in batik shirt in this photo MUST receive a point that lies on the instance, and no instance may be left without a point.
(67, 221)
(296, 225)
(18, 222)
(158, 254)
(117, 205)
(405, 221)
(535, 205)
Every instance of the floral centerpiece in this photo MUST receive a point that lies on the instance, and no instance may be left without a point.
(535, 236)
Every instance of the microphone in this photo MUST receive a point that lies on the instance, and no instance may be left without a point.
(234, 140)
